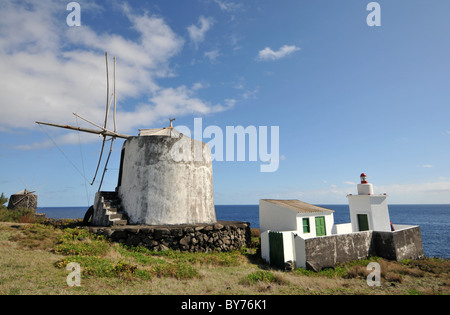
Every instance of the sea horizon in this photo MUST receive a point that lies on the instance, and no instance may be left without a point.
(255, 204)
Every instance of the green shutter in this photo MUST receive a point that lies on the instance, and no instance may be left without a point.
(320, 226)
(363, 222)
(306, 225)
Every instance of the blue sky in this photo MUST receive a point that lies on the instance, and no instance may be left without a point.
(348, 98)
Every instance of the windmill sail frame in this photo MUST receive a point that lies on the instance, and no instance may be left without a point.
(104, 132)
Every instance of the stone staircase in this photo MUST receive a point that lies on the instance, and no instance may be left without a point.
(108, 210)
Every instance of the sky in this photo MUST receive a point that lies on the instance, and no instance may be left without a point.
(347, 97)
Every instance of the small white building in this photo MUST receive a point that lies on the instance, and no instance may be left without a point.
(295, 231)
(282, 220)
(304, 219)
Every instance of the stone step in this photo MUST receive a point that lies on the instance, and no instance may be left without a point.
(109, 204)
(115, 216)
(118, 222)
(112, 210)
(109, 195)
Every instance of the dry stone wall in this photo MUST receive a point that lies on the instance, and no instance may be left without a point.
(220, 236)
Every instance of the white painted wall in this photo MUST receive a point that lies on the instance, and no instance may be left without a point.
(288, 246)
(265, 249)
(343, 228)
(380, 213)
(399, 227)
(157, 188)
(365, 189)
(329, 223)
(376, 208)
(300, 252)
(276, 218)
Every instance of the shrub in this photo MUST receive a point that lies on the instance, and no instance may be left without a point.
(81, 242)
(262, 276)
(99, 266)
(3, 200)
(177, 270)
(357, 271)
(393, 277)
(21, 215)
(337, 271)
(432, 265)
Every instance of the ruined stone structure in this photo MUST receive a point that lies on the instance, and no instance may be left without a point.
(23, 199)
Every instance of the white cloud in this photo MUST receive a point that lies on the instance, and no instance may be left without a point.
(49, 70)
(227, 6)
(199, 85)
(230, 102)
(425, 192)
(70, 138)
(428, 192)
(427, 166)
(267, 54)
(212, 55)
(197, 33)
(250, 94)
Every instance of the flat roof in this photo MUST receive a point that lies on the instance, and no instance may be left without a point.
(159, 132)
(299, 206)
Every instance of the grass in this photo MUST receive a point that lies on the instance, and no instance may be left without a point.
(263, 276)
(33, 258)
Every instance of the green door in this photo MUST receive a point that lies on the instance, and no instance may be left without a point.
(320, 226)
(276, 249)
(363, 222)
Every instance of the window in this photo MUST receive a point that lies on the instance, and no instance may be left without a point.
(305, 225)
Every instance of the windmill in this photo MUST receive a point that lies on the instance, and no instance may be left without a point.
(23, 199)
(156, 184)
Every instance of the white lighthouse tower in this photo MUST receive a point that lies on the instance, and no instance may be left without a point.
(368, 211)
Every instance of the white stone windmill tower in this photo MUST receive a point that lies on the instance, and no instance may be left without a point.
(164, 177)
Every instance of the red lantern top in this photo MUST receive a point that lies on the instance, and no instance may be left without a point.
(363, 178)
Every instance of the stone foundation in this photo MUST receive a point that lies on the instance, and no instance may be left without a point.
(327, 251)
(220, 236)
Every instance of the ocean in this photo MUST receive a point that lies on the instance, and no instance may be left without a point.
(434, 220)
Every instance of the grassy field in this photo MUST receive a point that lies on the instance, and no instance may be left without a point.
(33, 260)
